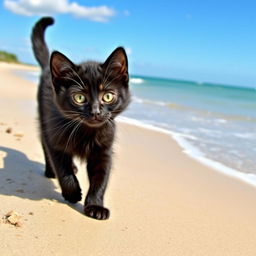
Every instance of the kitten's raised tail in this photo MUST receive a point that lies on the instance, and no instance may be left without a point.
(40, 48)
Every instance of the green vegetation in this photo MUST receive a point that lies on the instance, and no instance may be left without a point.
(8, 57)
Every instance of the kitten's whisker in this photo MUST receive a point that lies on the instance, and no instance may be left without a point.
(63, 128)
(70, 136)
(116, 111)
(60, 118)
(70, 113)
(106, 72)
(106, 86)
(62, 133)
(106, 80)
(110, 123)
(69, 78)
(106, 77)
(109, 75)
(63, 125)
(77, 75)
(80, 122)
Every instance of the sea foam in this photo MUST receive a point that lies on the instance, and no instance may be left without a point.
(136, 80)
(194, 152)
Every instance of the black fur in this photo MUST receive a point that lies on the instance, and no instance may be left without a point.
(84, 130)
(39, 47)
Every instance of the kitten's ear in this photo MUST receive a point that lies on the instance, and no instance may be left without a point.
(117, 63)
(60, 67)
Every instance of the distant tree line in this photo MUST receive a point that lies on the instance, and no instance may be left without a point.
(8, 57)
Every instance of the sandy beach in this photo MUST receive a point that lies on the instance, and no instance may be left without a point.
(162, 202)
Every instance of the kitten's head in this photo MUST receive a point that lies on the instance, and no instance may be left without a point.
(91, 92)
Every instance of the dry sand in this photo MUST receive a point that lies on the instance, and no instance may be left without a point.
(161, 201)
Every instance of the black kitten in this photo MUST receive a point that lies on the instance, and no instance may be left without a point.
(77, 107)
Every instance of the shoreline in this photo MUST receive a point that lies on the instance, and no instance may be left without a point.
(162, 202)
(196, 154)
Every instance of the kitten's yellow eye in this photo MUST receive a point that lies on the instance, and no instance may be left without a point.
(79, 98)
(108, 97)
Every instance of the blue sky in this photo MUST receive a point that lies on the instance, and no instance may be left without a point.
(204, 41)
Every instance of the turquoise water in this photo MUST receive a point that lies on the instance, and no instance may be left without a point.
(218, 121)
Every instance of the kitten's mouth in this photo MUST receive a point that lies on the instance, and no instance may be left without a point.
(94, 122)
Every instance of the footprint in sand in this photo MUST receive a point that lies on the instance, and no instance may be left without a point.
(8, 130)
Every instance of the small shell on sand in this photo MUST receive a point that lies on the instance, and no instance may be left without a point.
(13, 218)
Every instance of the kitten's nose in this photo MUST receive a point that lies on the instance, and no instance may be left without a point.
(95, 111)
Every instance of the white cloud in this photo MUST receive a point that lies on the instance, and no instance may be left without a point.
(50, 7)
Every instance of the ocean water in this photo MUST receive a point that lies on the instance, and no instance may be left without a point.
(217, 120)
(215, 124)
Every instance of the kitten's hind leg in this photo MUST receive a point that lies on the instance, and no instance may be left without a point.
(49, 173)
(63, 167)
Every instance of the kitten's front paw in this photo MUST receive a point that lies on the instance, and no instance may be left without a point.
(96, 212)
(70, 189)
